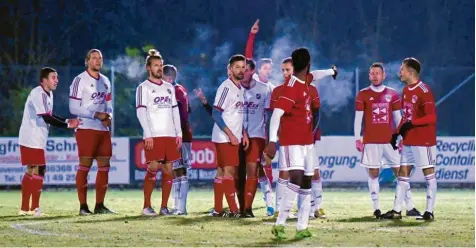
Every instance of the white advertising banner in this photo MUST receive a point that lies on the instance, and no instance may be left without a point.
(62, 162)
(340, 161)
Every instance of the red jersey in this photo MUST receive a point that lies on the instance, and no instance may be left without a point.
(418, 102)
(274, 96)
(316, 104)
(296, 124)
(184, 109)
(378, 117)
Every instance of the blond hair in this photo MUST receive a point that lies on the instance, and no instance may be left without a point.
(152, 54)
(88, 55)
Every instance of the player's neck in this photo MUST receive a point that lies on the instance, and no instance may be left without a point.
(236, 82)
(45, 89)
(263, 78)
(301, 75)
(155, 80)
(413, 81)
(377, 88)
(94, 74)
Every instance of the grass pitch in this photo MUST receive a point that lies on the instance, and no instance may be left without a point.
(349, 223)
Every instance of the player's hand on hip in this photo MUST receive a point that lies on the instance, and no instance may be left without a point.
(178, 141)
(405, 127)
(393, 141)
(73, 123)
(101, 116)
(246, 142)
(271, 150)
(148, 143)
(234, 140)
(255, 27)
(359, 145)
(106, 122)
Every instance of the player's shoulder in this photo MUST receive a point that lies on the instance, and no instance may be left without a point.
(366, 89)
(423, 87)
(37, 91)
(143, 85)
(104, 78)
(293, 81)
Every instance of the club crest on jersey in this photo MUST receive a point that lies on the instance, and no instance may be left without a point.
(92, 85)
(414, 99)
(168, 90)
(388, 98)
(258, 96)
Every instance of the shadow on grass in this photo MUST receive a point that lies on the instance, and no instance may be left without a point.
(34, 218)
(359, 219)
(275, 242)
(401, 223)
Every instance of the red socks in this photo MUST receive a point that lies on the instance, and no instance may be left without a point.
(218, 193)
(149, 185)
(82, 183)
(166, 188)
(102, 179)
(26, 186)
(36, 188)
(229, 189)
(269, 173)
(250, 191)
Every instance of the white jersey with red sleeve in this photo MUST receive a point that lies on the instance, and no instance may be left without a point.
(418, 102)
(94, 95)
(33, 129)
(160, 103)
(257, 102)
(229, 99)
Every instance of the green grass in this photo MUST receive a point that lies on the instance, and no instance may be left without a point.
(349, 223)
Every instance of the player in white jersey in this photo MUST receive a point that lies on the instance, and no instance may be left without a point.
(37, 118)
(227, 133)
(159, 116)
(379, 107)
(257, 96)
(90, 100)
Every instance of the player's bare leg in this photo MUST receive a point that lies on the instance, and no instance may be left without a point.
(230, 190)
(26, 190)
(82, 184)
(149, 185)
(218, 192)
(102, 181)
(402, 187)
(37, 187)
(166, 187)
(431, 188)
(316, 201)
(250, 188)
(411, 210)
(267, 190)
(180, 191)
(281, 189)
(374, 189)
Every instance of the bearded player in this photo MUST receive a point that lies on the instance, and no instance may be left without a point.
(180, 183)
(158, 114)
(90, 100)
(418, 129)
(37, 118)
(379, 106)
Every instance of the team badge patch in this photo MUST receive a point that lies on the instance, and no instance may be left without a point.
(168, 90)
(258, 96)
(414, 99)
(388, 98)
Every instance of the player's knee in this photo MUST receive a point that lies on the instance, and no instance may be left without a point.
(317, 175)
(153, 166)
(428, 171)
(404, 171)
(284, 175)
(41, 170)
(167, 168)
(296, 177)
(103, 162)
(229, 171)
(88, 162)
(29, 169)
(374, 173)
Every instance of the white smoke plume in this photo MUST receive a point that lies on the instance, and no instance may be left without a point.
(336, 94)
(133, 68)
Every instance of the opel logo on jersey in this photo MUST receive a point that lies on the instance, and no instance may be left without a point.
(251, 104)
(239, 105)
(162, 99)
(258, 96)
(98, 95)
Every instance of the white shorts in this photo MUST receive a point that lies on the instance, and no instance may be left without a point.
(317, 150)
(184, 162)
(379, 155)
(420, 156)
(297, 157)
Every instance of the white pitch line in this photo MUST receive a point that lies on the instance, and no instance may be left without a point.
(22, 227)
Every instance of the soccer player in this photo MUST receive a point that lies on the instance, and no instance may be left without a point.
(418, 129)
(180, 183)
(37, 118)
(90, 100)
(316, 75)
(292, 115)
(380, 107)
(158, 114)
(257, 97)
(227, 132)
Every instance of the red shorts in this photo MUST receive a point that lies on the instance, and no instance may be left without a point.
(32, 156)
(93, 143)
(227, 154)
(165, 150)
(255, 150)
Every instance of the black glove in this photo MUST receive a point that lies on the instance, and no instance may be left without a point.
(393, 141)
(405, 127)
(334, 68)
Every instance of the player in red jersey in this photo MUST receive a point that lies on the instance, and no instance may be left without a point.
(380, 107)
(37, 118)
(418, 129)
(180, 183)
(292, 116)
(90, 100)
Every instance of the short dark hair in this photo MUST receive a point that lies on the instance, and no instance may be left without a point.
(170, 70)
(378, 65)
(235, 58)
(301, 58)
(413, 63)
(251, 63)
(287, 60)
(45, 72)
(264, 61)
